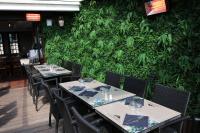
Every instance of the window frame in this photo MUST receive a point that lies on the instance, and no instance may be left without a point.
(14, 43)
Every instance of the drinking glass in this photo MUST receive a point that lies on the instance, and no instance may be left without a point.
(82, 82)
(136, 104)
(105, 93)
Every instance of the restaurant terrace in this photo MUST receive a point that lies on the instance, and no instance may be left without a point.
(99, 66)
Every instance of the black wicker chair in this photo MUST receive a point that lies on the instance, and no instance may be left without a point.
(176, 100)
(113, 79)
(34, 88)
(68, 122)
(76, 71)
(134, 85)
(32, 70)
(87, 125)
(76, 74)
(64, 103)
(53, 106)
(64, 111)
(30, 74)
(68, 65)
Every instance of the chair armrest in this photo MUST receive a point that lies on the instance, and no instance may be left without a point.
(68, 100)
(74, 122)
(36, 75)
(89, 115)
(183, 118)
(97, 121)
(37, 83)
(52, 79)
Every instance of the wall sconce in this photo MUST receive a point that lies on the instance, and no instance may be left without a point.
(49, 22)
(61, 21)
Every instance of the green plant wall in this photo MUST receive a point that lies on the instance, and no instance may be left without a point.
(118, 36)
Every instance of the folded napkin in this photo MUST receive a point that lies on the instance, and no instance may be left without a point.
(60, 69)
(45, 70)
(140, 101)
(136, 121)
(77, 88)
(105, 87)
(86, 80)
(41, 67)
(55, 66)
(88, 93)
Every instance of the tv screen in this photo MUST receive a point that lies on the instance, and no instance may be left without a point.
(155, 6)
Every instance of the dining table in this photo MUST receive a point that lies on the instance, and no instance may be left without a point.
(125, 110)
(133, 118)
(51, 71)
(95, 93)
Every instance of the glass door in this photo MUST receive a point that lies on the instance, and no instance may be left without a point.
(1, 46)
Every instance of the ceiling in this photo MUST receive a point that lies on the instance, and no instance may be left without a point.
(40, 5)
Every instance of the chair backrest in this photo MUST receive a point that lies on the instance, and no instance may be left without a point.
(171, 98)
(76, 69)
(135, 85)
(33, 80)
(65, 113)
(113, 79)
(30, 69)
(83, 125)
(30, 80)
(67, 65)
(49, 95)
(59, 100)
(33, 70)
(27, 69)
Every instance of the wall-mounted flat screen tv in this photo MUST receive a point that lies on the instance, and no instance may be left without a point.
(155, 6)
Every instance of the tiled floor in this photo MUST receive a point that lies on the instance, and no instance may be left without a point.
(14, 84)
(18, 114)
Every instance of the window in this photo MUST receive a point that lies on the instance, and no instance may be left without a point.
(14, 46)
(1, 46)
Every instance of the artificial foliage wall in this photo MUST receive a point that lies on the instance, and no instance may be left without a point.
(117, 36)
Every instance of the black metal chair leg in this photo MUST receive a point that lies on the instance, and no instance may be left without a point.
(36, 103)
(63, 128)
(50, 119)
(33, 96)
(30, 89)
(57, 123)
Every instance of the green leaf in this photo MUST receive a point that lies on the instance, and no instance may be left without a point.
(184, 63)
(93, 34)
(130, 41)
(142, 58)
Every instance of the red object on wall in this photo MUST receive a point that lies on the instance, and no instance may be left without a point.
(155, 7)
(33, 17)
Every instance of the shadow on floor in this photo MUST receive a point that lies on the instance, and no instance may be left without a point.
(8, 112)
(4, 90)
